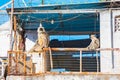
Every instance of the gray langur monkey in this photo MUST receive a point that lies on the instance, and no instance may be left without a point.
(42, 41)
(94, 43)
(43, 38)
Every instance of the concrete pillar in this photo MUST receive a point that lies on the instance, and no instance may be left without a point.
(110, 61)
(40, 62)
(105, 41)
(116, 42)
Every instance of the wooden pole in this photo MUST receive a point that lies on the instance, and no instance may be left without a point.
(15, 35)
(9, 64)
(24, 64)
(11, 31)
(15, 43)
(31, 71)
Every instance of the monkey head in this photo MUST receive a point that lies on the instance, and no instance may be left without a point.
(92, 36)
(40, 29)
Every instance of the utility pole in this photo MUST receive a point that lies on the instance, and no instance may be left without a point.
(11, 37)
(42, 2)
(11, 21)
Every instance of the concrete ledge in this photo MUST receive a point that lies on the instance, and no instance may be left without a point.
(67, 77)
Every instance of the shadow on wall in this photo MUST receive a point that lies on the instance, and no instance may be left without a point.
(70, 43)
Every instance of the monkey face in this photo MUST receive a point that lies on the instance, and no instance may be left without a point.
(40, 29)
(92, 36)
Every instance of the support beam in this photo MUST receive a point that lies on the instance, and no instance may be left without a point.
(65, 11)
(69, 49)
(69, 11)
(72, 33)
(82, 49)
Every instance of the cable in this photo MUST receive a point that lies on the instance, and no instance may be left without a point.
(52, 18)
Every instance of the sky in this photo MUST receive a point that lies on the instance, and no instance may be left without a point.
(3, 2)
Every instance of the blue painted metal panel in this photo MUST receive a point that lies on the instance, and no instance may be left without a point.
(31, 3)
(66, 22)
(74, 22)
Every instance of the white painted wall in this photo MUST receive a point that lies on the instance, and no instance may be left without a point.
(109, 62)
(116, 40)
(30, 40)
(105, 41)
(4, 39)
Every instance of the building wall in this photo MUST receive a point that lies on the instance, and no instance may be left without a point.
(4, 39)
(4, 43)
(31, 38)
(116, 42)
(109, 39)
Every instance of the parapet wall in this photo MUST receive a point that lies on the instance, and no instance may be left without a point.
(67, 77)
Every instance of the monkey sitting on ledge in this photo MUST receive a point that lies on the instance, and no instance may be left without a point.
(42, 41)
(94, 43)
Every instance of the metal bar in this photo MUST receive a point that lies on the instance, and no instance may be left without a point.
(11, 28)
(15, 35)
(56, 11)
(108, 49)
(15, 44)
(16, 67)
(97, 61)
(112, 38)
(9, 64)
(83, 49)
(31, 65)
(66, 49)
(24, 65)
(69, 49)
(20, 52)
(80, 61)
(51, 59)
(67, 11)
